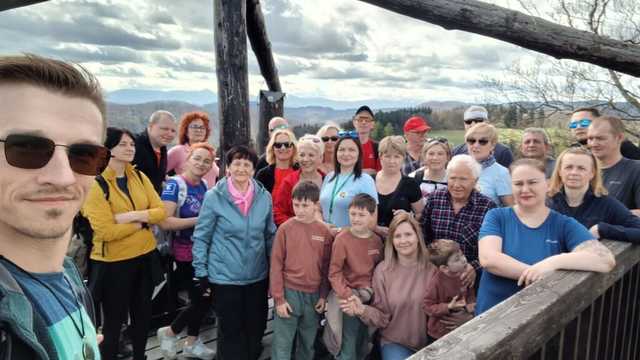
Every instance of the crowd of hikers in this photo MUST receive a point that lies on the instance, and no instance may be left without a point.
(367, 249)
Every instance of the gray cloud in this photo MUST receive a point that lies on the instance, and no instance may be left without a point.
(183, 63)
(102, 54)
(120, 71)
(162, 17)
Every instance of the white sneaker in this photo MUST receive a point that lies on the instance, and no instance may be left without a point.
(167, 343)
(198, 350)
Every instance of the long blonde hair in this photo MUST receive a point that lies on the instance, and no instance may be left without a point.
(390, 253)
(597, 186)
(271, 158)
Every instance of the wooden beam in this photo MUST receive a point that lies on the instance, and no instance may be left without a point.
(517, 28)
(271, 105)
(12, 4)
(259, 39)
(231, 70)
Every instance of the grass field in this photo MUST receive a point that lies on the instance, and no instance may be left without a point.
(455, 137)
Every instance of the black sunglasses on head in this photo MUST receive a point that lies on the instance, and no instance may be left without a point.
(34, 152)
(280, 145)
(330, 138)
(471, 121)
(472, 141)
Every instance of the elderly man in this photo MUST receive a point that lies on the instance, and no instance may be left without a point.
(275, 123)
(536, 145)
(52, 125)
(478, 114)
(415, 131)
(621, 176)
(151, 147)
(579, 123)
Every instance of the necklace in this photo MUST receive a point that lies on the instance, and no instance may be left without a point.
(87, 350)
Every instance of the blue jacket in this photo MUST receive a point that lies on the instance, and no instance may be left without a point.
(614, 220)
(228, 247)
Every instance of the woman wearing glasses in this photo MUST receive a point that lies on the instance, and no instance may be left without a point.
(329, 135)
(194, 128)
(123, 245)
(348, 180)
(310, 150)
(494, 181)
(576, 190)
(433, 173)
(281, 155)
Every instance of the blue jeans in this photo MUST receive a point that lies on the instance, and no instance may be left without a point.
(393, 351)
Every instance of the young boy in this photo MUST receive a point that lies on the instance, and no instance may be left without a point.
(446, 294)
(356, 252)
(298, 277)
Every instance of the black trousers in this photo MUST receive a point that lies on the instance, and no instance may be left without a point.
(191, 317)
(125, 288)
(242, 319)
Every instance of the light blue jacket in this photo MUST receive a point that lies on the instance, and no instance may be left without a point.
(228, 247)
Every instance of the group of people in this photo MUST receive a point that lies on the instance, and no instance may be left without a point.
(394, 243)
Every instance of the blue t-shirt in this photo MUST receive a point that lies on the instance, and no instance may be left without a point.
(342, 193)
(494, 182)
(557, 234)
(182, 242)
(60, 328)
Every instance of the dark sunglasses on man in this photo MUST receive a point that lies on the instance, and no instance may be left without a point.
(474, 121)
(280, 145)
(34, 152)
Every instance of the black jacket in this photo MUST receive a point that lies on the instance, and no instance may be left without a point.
(267, 176)
(145, 161)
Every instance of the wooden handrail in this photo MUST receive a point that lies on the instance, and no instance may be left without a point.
(519, 326)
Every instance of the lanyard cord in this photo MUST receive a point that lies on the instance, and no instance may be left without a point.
(335, 191)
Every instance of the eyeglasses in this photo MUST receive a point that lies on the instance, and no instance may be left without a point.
(279, 145)
(582, 123)
(482, 142)
(363, 120)
(348, 134)
(197, 127)
(34, 152)
(330, 138)
(310, 138)
(471, 121)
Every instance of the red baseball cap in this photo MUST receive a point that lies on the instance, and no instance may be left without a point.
(417, 124)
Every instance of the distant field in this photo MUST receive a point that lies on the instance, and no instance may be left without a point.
(455, 137)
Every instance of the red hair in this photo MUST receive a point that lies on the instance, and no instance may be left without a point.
(187, 119)
(202, 145)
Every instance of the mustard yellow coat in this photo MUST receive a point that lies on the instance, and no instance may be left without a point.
(112, 241)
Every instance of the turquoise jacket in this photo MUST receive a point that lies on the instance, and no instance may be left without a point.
(228, 247)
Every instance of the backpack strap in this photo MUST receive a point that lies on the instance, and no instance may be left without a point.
(182, 193)
(103, 185)
(374, 144)
(419, 175)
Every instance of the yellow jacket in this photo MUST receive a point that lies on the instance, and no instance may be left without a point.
(112, 241)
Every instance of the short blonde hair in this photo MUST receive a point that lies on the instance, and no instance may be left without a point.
(271, 158)
(311, 141)
(483, 129)
(392, 143)
(390, 253)
(597, 186)
(327, 126)
(428, 145)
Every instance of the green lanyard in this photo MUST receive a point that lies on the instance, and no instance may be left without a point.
(335, 191)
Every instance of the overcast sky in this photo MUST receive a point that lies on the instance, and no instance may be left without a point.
(337, 49)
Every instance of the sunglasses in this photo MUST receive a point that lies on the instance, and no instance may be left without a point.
(348, 134)
(34, 152)
(440, 140)
(582, 123)
(278, 127)
(330, 138)
(482, 142)
(471, 121)
(279, 145)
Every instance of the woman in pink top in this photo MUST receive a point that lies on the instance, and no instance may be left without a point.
(194, 128)
(399, 283)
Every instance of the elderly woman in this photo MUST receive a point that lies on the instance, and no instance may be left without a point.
(494, 180)
(399, 284)
(395, 191)
(329, 135)
(310, 149)
(348, 180)
(576, 190)
(231, 245)
(456, 213)
(523, 244)
(433, 173)
(194, 128)
(281, 155)
(123, 245)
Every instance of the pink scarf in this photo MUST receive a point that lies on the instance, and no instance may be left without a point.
(242, 201)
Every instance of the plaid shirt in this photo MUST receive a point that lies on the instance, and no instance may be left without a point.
(410, 165)
(439, 221)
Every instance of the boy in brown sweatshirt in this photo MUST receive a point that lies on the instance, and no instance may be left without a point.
(446, 293)
(356, 252)
(298, 275)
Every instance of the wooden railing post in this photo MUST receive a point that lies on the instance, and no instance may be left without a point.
(271, 104)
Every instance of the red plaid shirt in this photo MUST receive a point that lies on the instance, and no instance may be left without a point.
(439, 221)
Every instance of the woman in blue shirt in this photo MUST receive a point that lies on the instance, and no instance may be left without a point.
(348, 180)
(523, 244)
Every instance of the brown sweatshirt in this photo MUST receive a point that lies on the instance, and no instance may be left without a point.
(396, 309)
(300, 259)
(437, 298)
(352, 262)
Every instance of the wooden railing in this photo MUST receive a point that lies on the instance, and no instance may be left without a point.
(569, 315)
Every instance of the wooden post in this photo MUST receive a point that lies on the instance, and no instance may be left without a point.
(259, 39)
(232, 73)
(517, 28)
(271, 104)
(10, 4)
